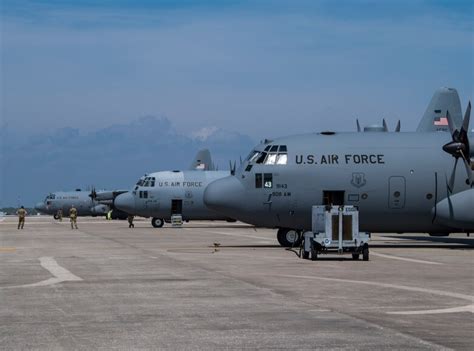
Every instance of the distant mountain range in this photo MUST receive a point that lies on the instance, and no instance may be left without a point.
(113, 157)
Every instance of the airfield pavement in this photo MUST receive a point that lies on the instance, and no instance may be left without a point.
(106, 286)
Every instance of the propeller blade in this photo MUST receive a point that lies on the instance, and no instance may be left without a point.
(467, 117)
(358, 125)
(452, 179)
(467, 165)
(385, 127)
(240, 160)
(452, 128)
(398, 127)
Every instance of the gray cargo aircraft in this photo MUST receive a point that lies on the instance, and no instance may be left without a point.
(162, 194)
(400, 182)
(87, 203)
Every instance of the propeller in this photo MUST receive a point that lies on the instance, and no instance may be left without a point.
(232, 167)
(385, 127)
(358, 126)
(398, 127)
(459, 147)
(93, 194)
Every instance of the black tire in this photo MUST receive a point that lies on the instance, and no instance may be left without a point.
(157, 222)
(305, 255)
(55, 217)
(314, 255)
(289, 237)
(355, 256)
(365, 253)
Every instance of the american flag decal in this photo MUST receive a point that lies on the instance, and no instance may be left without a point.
(441, 121)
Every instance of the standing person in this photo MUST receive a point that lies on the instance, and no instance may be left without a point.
(73, 217)
(21, 212)
(60, 214)
(130, 221)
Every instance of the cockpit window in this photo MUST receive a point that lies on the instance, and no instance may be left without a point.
(147, 182)
(261, 157)
(51, 197)
(273, 155)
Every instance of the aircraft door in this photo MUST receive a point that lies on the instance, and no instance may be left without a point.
(396, 192)
(176, 207)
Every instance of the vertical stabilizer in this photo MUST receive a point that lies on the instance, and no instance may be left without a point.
(202, 161)
(434, 119)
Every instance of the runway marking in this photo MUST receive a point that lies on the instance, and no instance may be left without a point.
(7, 249)
(468, 308)
(60, 274)
(469, 298)
(404, 258)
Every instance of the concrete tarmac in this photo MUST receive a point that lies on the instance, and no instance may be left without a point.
(218, 285)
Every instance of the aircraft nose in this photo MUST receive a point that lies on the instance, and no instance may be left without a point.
(125, 202)
(223, 195)
(40, 206)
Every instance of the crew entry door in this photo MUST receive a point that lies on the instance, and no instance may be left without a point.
(176, 207)
(396, 192)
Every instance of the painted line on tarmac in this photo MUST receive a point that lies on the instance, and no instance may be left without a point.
(404, 258)
(7, 249)
(60, 274)
(400, 287)
(468, 308)
(243, 235)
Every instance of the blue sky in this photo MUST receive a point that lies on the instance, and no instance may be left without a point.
(262, 68)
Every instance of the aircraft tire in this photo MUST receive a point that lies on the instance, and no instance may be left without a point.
(157, 222)
(305, 255)
(365, 253)
(55, 217)
(314, 255)
(289, 237)
(355, 256)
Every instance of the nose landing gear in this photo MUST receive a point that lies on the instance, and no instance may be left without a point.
(157, 222)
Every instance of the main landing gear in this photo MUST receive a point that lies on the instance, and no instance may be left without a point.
(157, 222)
(289, 237)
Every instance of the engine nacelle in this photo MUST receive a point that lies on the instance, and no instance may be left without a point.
(100, 210)
(457, 211)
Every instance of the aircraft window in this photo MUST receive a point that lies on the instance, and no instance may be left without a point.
(268, 180)
(261, 158)
(254, 156)
(48, 203)
(258, 180)
(271, 159)
(145, 194)
(248, 168)
(274, 148)
(268, 148)
(282, 159)
(152, 184)
(283, 148)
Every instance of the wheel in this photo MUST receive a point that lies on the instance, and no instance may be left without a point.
(305, 255)
(157, 222)
(355, 256)
(365, 253)
(289, 237)
(314, 255)
(55, 217)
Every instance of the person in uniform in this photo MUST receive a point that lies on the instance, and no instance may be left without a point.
(130, 221)
(109, 215)
(21, 212)
(73, 217)
(60, 215)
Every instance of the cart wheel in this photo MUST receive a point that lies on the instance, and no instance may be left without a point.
(305, 255)
(365, 253)
(355, 256)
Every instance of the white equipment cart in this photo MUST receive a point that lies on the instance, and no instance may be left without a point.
(335, 229)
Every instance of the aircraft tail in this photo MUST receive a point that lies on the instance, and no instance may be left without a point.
(434, 119)
(202, 161)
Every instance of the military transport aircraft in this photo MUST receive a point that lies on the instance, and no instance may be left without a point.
(400, 182)
(87, 203)
(162, 194)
